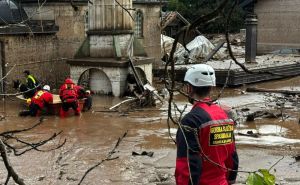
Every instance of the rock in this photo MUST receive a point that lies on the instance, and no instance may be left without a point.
(41, 178)
(297, 158)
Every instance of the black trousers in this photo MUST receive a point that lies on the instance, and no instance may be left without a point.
(87, 103)
(67, 105)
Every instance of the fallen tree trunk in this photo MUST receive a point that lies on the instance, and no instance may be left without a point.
(286, 92)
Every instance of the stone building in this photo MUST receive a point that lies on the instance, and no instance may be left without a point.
(49, 32)
(278, 24)
(41, 38)
(147, 27)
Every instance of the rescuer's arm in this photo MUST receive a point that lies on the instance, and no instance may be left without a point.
(232, 163)
(188, 162)
(50, 98)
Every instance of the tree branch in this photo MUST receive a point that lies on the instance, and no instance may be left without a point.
(23, 130)
(108, 157)
(11, 172)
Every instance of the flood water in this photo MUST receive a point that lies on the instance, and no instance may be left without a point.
(92, 135)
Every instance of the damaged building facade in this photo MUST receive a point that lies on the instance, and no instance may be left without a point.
(50, 32)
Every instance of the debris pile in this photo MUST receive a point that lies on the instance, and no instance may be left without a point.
(202, 49)
(198, 48)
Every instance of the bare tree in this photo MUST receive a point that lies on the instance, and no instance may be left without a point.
(8, 140)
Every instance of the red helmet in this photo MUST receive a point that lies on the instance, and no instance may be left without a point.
(69, 81)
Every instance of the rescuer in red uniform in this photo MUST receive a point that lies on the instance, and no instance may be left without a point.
(206, 153)
(40, 100)
(69, 97)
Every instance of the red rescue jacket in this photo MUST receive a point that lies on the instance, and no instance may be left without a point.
(68, 92)
(208, 125)
(41, 98)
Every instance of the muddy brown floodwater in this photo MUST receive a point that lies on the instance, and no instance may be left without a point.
(91, 136)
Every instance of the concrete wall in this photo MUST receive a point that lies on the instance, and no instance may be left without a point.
(151, 30)
(44, 54)
(103, 46)
(37, 54)
(278, 24)
(72, 24)
(99, 82)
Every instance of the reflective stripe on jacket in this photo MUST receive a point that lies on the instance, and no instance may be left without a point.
(41, 98)
(30, 77)
(209, 133)
(68, 93)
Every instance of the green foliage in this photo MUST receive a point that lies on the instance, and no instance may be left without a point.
(191, 9)
(262, 177)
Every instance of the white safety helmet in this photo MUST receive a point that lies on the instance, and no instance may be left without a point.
(46, 88)
(200, 75)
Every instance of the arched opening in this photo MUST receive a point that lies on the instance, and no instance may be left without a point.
(96, 80)
(141, 75)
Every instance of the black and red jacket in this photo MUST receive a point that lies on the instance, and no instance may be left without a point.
(210, 126)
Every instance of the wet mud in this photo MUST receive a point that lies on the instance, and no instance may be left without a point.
(92, 135)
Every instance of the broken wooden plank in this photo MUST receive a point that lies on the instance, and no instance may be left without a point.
(286, 92)
(125, 101)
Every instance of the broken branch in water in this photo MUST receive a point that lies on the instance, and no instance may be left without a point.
(26, 146)
(29, 146)
(23, 130)
(108, 157)
(33, 146)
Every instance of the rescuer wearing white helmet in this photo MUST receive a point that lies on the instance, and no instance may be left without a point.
(40, 101)
(46, 88)
(205, 132)
(200, 79)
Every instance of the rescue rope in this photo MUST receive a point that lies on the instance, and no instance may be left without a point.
(20, 93)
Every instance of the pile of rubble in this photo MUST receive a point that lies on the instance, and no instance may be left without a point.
(202, 49)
